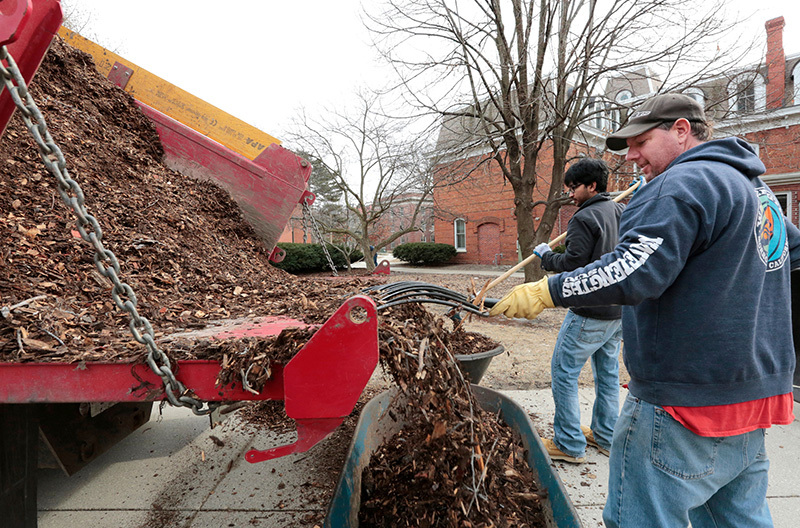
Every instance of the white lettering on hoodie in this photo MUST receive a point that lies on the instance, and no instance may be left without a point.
(616, 271)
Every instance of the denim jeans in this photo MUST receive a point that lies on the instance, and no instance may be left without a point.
(663, 475)
(579, 339)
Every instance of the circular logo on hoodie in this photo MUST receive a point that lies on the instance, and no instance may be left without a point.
(770, 231)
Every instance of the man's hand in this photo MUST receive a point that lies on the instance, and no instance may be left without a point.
(526, 300)
(541, 249)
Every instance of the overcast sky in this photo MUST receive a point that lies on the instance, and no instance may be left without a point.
(261, 60)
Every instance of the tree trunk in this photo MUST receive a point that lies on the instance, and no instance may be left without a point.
(526, 231)
(369, 254)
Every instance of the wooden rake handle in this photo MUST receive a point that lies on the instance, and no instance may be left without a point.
(553, 243)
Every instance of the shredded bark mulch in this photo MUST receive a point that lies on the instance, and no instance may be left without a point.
(452, 464)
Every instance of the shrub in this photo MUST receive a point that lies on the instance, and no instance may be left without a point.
(424, 253)
(309, 258)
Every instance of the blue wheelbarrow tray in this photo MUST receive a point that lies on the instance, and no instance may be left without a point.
(376, 426)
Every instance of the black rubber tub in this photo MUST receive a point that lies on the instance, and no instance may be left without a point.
(474, 365)
(376, 425)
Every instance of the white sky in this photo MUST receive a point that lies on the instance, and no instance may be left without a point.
(261, 60)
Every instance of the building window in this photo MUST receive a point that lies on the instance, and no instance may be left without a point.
(796, 84)
(785, 203)
(747, 93)
(615, 115)
(460, 227)
(696, 94)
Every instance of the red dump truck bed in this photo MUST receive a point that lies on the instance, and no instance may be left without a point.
(64, 402)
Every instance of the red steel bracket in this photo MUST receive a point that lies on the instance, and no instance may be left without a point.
(277, 255)
(323, 382)
(120, 74)
(308, 198)
(382, 268)
(13, 16)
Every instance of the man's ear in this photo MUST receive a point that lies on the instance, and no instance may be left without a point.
(683, 129)
(592, 187)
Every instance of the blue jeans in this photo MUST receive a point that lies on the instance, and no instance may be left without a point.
(663, 475)
(579, 339)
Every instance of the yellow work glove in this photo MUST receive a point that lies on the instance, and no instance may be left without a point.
(526, 300)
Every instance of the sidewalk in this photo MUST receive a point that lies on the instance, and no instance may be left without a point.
(175, 471)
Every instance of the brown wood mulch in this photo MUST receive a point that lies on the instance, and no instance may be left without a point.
(192, 260)
(452, 464)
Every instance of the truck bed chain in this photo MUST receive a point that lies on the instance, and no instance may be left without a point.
(104, 260)
(318, 234)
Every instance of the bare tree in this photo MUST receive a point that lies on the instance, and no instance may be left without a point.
(377, 163)
(510, 79)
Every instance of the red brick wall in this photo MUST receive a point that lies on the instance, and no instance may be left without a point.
(779, 148)
(485, 197)
(398, 218)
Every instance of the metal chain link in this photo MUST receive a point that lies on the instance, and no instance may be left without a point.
(305, 224)
(318, 234)
(104, 260)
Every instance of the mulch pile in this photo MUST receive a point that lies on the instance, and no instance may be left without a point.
(452, 464)
(191, 260)
(182, 244)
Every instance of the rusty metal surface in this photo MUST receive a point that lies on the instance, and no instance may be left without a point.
(120, 74)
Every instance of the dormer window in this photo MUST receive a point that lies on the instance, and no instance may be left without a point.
(696, 94)
(747, 93)
(796, 84)
(623, 96)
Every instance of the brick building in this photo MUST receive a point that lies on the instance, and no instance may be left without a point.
(759, 103)
(398, 217)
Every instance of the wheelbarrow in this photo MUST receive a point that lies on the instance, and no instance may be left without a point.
(376, 426)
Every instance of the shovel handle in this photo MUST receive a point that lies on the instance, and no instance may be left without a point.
(553, 243)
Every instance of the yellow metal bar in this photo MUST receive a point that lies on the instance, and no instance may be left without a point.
(177, 103)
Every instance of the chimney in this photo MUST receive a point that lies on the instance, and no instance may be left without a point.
(776, 63)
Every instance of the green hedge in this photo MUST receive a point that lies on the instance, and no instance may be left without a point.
(308, 258)
(427, 253)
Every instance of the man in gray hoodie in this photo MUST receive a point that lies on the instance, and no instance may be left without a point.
(590, 333)
(703, 268)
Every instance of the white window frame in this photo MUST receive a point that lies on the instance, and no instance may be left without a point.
(759, 93)
(796, 84)
(697, 94)
(788, 196)
(460, 248)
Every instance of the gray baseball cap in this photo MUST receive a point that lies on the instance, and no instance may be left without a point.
(664, 108)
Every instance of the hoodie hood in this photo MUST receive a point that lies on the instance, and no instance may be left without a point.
(732, 151)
